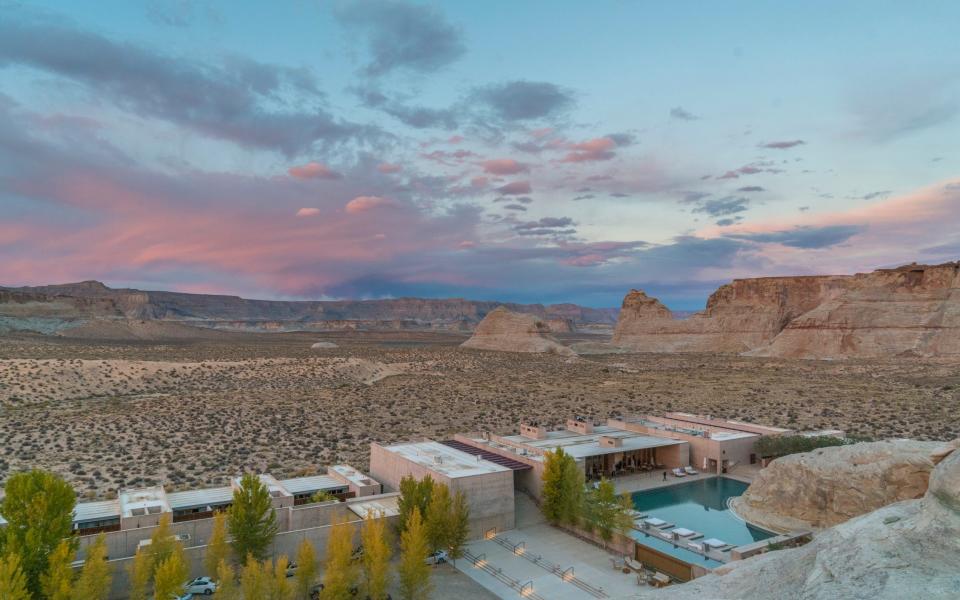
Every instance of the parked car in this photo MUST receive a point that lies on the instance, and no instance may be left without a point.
(201, 585)
(315, 591)
(187, 596)
(291, 569)
(438, 557)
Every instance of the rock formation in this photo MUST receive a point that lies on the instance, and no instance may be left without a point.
(831, 485)
(910, 549)
(507, 331)
(911, 310)
(48, 309)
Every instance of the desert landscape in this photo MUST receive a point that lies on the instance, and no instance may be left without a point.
(109, 415)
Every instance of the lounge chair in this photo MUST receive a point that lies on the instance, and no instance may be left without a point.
(678, 472)
(655, 522)
(691, 471)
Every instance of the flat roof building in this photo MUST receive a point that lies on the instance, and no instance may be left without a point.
(488, 486)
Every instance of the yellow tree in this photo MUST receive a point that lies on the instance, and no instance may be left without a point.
(340, 572)
(140, 572)
(226, 582)
(169, 577)
(94, 580)
(218, 548)
(162, 542)
(439, 518)
(13, 581)
(414, 571)
(252, 579)
(306, 570)
(57, 582)
(279, 586)
(376, 556)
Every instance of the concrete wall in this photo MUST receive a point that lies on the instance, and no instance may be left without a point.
(490, 495)
(319, 519)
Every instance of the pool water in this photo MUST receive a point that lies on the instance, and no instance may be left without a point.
(701, 506)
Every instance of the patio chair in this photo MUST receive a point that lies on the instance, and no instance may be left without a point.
(678, 472)
(691, 471)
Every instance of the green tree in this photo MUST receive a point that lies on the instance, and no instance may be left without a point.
(376, 556)
(252, 521)
(218, 548)
(226, 582)
(253, 579)
(170, 576)
(306, 570)
(57, 582)
(140, 571)
(562, 494)
(573, 488)
(95, 578)
(414, 494)
(38, 507)
(13, 581)
(459, 525)
(413, 570)
(439, 519)
(279, 586)
(323, 496)
(340, 573)
(606, 511)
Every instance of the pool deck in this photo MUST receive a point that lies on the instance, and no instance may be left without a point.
(653, 480)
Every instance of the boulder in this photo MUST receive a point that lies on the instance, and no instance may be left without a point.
(323, 345)
(909, 549)
(506, 331)
(831, 485)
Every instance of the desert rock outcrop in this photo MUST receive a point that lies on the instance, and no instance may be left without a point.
(507, 331)
(910, 549)
(831, 485)
(910, 310)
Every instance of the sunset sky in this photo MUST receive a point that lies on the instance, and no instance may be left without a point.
(520, 151)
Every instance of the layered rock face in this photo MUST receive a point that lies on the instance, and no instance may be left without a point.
(910, 549)
(911, 310)
(63, 305)
(506, 331)
(831, 485)
(740, 316)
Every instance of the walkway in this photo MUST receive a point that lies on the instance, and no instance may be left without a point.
(651, 481)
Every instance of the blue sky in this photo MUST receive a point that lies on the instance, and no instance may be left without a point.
(533, 151)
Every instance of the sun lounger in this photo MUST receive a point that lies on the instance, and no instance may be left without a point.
(683, 532)
(715, 543)
(655, 522)
(678, 472)
(691, 471)
(695, 547)
(633, 564)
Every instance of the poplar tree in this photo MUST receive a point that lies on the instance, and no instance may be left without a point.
(376, 556)
(140, 571)
(279, 586)
(38, 507)
(439, 518)
(226, 582)
(413, 570)
(13, 581)
(339, 569)
(251, 519)
(170, 576)
(552, 493)
(252, 579)
(57, 582)
(95, 578)
(306, 569)
(218, 548)
(459, 525)
(414, 494)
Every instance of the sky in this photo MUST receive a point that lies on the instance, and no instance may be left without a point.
(540, 151)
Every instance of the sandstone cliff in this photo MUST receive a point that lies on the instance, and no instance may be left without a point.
(60, 306)
(912, 310)
(831, 485)
(910, 549)
(507, 331)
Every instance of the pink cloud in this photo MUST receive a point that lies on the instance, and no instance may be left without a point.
(593, 150)
(362, 204)
(313, 170)
(389, 168)
(308, 212)
(515, 188)
(504, 166)
(479, 182)
(466, 244)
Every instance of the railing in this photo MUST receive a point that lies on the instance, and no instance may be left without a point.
(96, 530)
(524, 589)
(567, 575)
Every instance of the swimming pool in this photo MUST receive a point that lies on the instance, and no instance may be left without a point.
(701, 506)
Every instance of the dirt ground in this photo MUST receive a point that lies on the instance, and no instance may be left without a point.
(109, 415)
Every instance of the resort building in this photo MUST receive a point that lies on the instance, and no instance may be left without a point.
(487, 485)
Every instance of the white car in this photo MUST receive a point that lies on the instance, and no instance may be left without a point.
(201, 585)
(440, 556)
